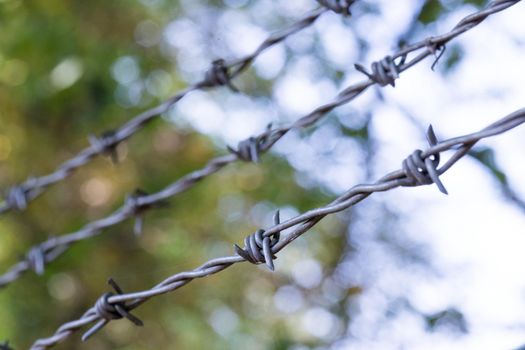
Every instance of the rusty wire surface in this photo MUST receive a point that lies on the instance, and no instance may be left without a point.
(383, 73)
(17, 197)
(420, 168)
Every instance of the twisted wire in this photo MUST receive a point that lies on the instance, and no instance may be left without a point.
(248, 150)
(301, 223)
(17, 197)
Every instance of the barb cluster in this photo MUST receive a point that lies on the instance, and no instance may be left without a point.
(107, 312)
(220, 74)
(258, 248)
(384, 72)
(421, 170)
(264, 244)
(251, 148)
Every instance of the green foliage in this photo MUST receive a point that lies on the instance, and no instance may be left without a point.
(431, 11)
(486, 157)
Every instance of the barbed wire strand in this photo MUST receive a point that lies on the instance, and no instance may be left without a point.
(17, 197)
(420, 168)
(247, 150)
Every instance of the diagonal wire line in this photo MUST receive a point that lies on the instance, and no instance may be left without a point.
(249, 149)
(220, 74)
(116, 306)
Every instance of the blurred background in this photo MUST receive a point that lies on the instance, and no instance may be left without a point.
(407, 269)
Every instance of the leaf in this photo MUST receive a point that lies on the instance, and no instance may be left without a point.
(430, 11)
(485, 156)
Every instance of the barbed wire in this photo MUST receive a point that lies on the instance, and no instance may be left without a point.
(17, 197)
(383, 73)
(420, 168)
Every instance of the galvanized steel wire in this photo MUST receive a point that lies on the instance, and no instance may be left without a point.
(420, 168)
(383, 73)
(17, 197)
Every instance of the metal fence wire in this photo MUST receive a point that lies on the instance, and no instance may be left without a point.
(422, 167)
(383, 73)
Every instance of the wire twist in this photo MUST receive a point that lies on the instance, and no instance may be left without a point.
(110, 311)
(258, 248)
(341, 7)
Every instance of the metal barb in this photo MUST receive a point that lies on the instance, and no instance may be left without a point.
(434, 48)
(384, 72)
(16, 197)
(134, 205)
(218, 75)
(106, 144)
(250, 149)
(423, 170)
(258, 248)
(108, 312)
(36, 258)
(341, 7)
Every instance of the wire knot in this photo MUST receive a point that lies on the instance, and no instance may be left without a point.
(423, 171)
(258, 248)
(341, 7)
(384, 72)
(250, 149)
(134, 204)
(105, 144)
(218, 75)
(36, 258)
(110, 311)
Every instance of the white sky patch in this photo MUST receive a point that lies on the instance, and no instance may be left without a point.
(271, 62)
(204, 114)
(288, 299)
(224, 321)
(307, 273)
(66, 73)
(338, 41)
(319, 322)
(125, 70)
(241, 36)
